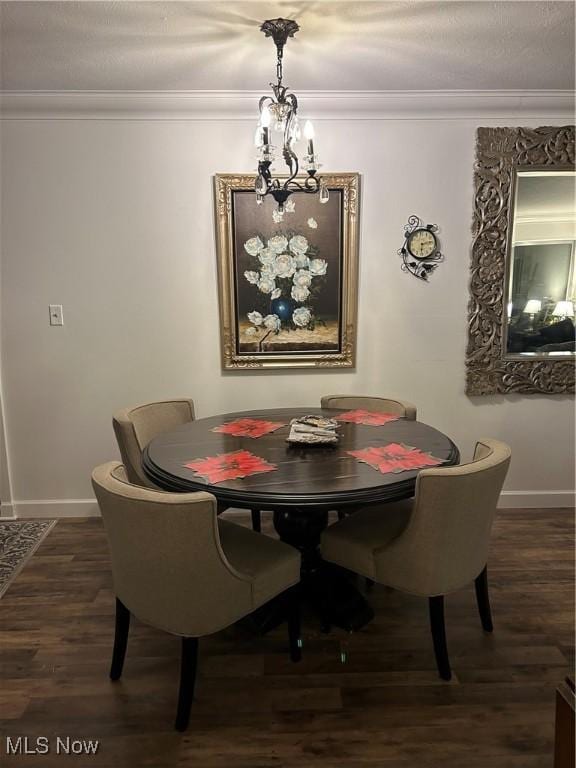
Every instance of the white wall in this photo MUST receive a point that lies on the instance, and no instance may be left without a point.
(114, 220)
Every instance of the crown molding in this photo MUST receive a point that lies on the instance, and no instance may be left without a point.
(327, 105)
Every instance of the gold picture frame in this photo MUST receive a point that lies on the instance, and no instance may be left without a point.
(287, 284)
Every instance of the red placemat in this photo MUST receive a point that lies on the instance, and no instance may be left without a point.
(229, 466)
(249, 427)
(395, 457)
(371, 418)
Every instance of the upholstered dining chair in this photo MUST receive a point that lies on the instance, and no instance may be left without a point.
(433, 544)
(370, 403)
(135, 427)
(179, 568)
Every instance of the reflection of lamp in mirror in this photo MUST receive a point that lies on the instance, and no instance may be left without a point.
(533, 307)
(564, 309)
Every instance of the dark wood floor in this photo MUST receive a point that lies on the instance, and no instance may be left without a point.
(384, 706)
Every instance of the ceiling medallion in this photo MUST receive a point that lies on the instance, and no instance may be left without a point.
(279, 113)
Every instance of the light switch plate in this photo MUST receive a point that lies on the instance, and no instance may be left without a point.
(56, 314)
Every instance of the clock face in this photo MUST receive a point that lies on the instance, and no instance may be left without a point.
(421, 243)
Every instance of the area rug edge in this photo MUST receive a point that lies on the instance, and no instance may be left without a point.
(18, 568)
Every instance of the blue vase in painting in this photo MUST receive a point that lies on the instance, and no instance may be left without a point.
(283, 308)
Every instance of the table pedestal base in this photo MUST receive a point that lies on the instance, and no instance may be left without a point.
(336, 600)
(331, 594)
(327, 588)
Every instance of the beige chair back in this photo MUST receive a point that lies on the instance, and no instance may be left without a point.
(445, 545)
(368, 403)
(168, 565)
(136, 427)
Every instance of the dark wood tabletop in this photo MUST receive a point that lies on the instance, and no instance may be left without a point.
(310, 477)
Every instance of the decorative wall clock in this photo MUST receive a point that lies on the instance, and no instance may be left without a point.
(421, 251)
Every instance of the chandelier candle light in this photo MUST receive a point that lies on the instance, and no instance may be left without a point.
(282, 108)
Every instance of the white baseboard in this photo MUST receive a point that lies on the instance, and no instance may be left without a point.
(58, 508)
(535, 499)
(7, 511)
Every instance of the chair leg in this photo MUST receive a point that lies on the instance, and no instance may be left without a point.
(120, 640)
(483, 600)
(256, 520)
(436, 605)
(188, 664)
(294, 637)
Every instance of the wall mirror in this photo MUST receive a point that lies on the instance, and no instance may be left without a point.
(523, 278)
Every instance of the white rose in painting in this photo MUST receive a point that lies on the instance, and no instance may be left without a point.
(272, 322)
(276, 293)
(298, 244)
(278, 216)
(253, 246)
(301, 260)
(278, 243)
(252, 277)
(301, 317)
(284, 265)
(267, 256)
(268, 270)
(312, 223)
(299, 293)
(318, 267)
(289, 206)
(266, 284)
(255, 317)
(302, 278)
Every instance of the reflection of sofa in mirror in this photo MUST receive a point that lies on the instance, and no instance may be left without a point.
(557, 337)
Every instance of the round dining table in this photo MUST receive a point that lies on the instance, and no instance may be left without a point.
(307, 482)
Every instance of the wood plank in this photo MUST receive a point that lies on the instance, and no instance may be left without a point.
(384, 707)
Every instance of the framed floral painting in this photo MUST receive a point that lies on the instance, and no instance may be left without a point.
(287, 281)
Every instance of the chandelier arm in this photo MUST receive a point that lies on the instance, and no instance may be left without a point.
(311, 185)
(289, 155)
(291, 160)
(263, 101)
(293, 101)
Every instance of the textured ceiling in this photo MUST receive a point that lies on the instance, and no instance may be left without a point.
(416, 45)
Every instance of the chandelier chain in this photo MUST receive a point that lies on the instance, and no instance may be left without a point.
(279, 66)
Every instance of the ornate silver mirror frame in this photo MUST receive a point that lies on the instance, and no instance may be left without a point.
(499, 152)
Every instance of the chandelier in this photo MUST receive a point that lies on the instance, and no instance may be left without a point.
(280, 113)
